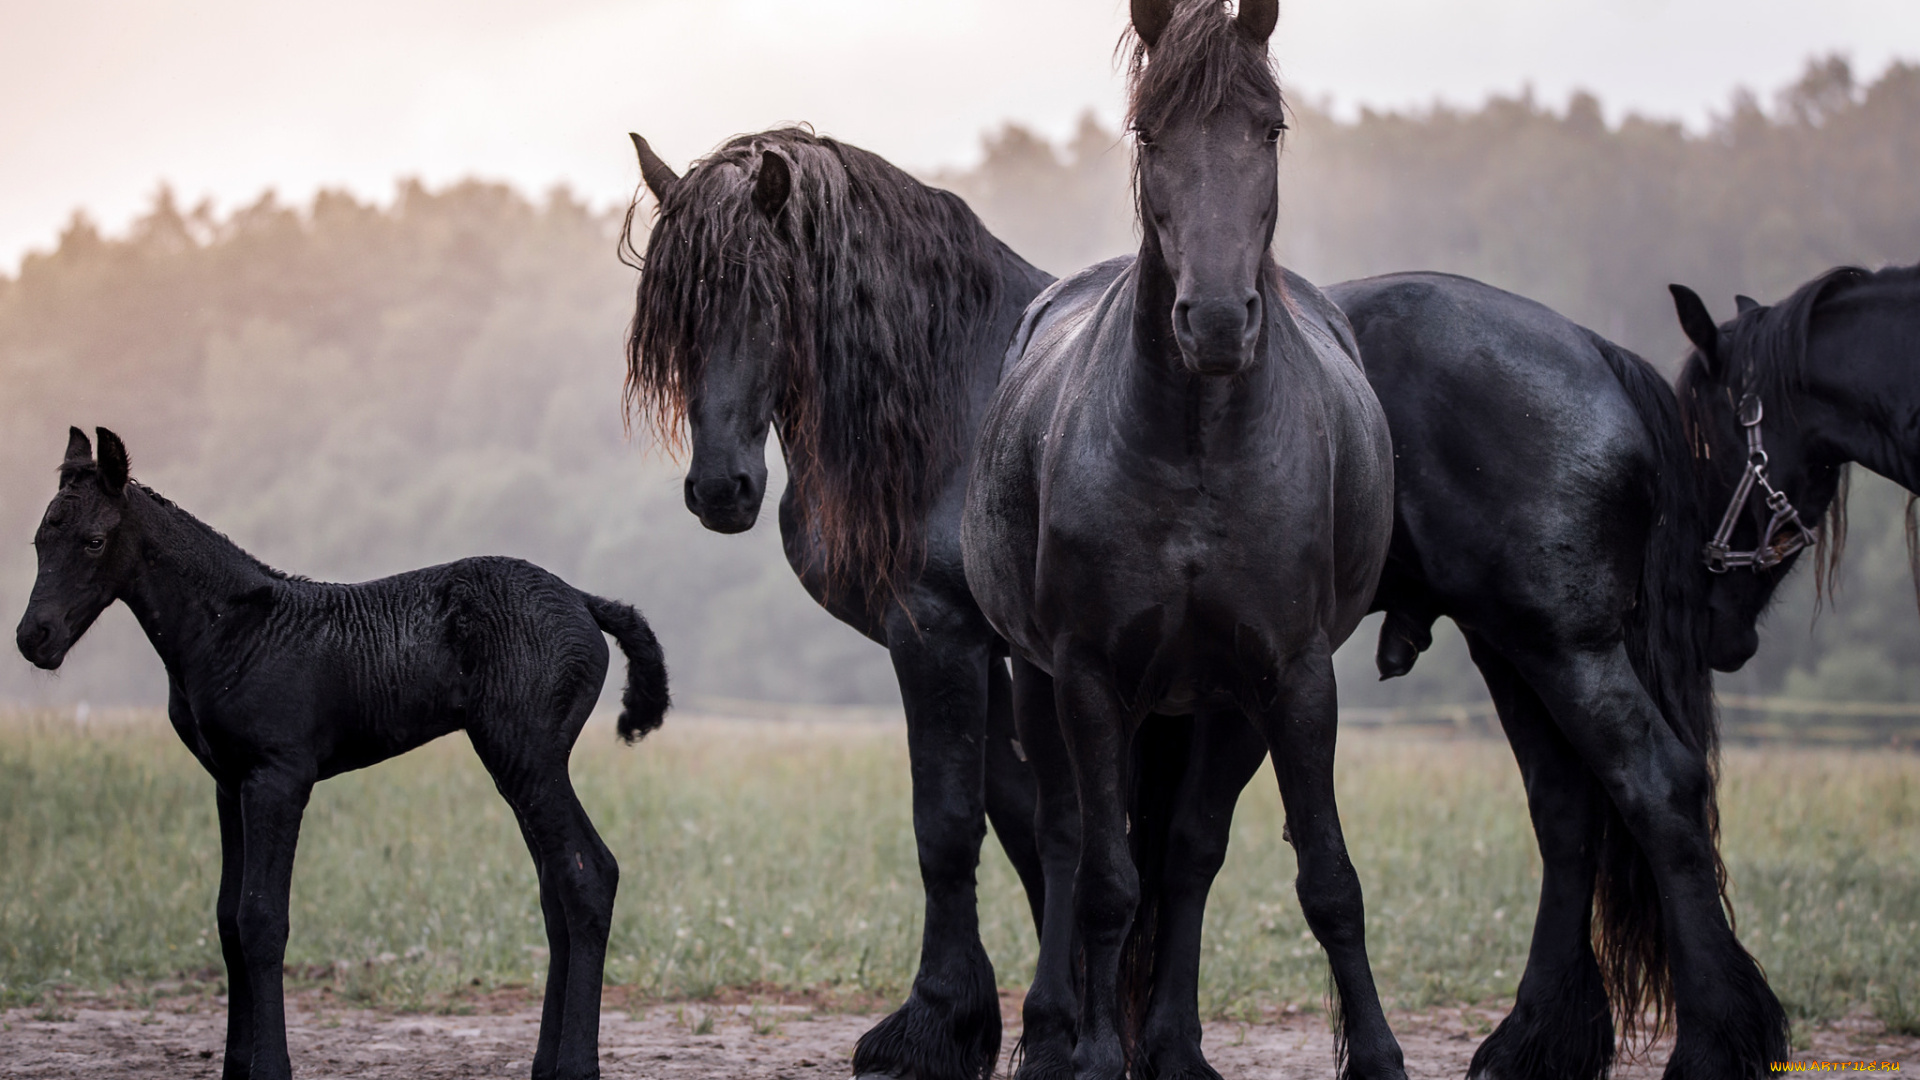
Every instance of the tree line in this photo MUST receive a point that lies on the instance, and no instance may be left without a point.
(351, 388)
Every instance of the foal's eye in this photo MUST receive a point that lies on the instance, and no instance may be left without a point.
(1142, 138)
(96, 543)
(1273, 133)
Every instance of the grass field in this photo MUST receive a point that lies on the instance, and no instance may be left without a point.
(766, 853)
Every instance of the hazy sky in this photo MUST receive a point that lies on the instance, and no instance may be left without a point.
(101, 101)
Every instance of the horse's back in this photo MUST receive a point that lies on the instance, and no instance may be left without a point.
(388, 664)
(1512, 436)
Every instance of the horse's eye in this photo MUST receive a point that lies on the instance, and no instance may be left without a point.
(1141, 137)
(1273, 133)
(96, 543)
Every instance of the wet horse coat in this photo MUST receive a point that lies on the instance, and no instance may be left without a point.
(1179, 505)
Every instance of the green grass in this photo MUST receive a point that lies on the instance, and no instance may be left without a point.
(782, 855)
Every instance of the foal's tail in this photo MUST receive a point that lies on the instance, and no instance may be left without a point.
(644, 702)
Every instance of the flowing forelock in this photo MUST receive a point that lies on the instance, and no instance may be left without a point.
(1202, 64)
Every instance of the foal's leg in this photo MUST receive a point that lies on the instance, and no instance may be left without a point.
(1300, 733)
(949, 1026)
(1560, 1026)
(1050, 1012)
(1227, 752)
(1729, 1023)
(238, 1063)
(578, 880)
(1012, 798)
(271, 805)
(1107, 888)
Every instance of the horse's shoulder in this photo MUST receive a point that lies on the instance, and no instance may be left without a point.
(1317, 313)
(1059, 302)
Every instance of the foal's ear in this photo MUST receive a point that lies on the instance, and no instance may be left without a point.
(774, 184)
(1744, 304)
(79, 450)
(659, 177)
(1257, 19)
(1698, 324)
(1150, 19)
(114, 466)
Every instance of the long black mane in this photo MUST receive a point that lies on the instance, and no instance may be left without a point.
(880, 284)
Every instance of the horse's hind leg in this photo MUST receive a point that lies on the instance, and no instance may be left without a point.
(1729, 1024)
(1300, 732)
(578, 880)
(1227, 752)
(1560, 1025)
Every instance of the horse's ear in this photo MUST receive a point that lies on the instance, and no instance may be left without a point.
(1257, 19)
(79, 450)
(659, 177)
(773, 185)
(1698, 324)
(1744, 304)
(1150, 19)
(114, 466)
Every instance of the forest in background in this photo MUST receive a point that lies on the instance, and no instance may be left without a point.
(352, 389)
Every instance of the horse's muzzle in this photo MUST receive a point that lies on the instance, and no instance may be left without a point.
(725, 504)
(41, 643)
(1217, 337)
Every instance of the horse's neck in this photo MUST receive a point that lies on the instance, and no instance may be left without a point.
(1863, 387)
(189, 576)
(1173, 413)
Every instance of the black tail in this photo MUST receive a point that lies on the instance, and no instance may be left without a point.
(1666, 642)
(644, 702)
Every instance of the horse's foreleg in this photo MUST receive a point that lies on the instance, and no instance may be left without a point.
(1106, 890)
(1729, 1023)
(1227, 752)
(271, 805)
(1012, 797)
(238, 1064)
(1560, 1025)
(949, 1026)
(1300, 732)
(1050, 1013)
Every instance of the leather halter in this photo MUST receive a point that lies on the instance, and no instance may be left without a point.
(1785, 533)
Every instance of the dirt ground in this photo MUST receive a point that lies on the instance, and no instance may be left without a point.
(181, 1038)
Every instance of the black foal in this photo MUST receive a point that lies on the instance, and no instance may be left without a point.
(278, 682)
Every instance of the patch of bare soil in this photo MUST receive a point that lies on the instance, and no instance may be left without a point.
(736, 1040)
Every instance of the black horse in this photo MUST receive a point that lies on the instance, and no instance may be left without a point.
(1179, 506)
(799, 284)
(1546, 501)
(277, 682)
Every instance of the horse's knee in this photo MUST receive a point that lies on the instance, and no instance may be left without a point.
(1108, 898)
(1330, 899)
(950, 854)
(260, 926)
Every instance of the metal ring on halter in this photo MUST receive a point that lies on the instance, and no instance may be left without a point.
(1718, 553)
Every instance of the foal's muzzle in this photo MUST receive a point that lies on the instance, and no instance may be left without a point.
(725, 504)
(41, 642)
